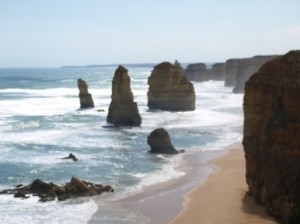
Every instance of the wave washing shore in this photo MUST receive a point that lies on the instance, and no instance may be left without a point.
(40, 123)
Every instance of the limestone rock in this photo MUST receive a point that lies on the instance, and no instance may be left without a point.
(170, 89)
(86, 100)
(230, 71)
(197, 72)
(160, 142)
(217, 72)
(123, 111)
(272, 136)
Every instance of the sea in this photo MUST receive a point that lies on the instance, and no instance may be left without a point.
(40, 123)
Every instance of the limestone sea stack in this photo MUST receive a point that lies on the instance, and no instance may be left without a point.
(272, 136)
(86, 100)
(123, 111)
(197, 72)
(160, 142)
(170, 89)
(217, 72)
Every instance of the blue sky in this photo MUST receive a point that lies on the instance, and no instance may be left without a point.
(51, 33)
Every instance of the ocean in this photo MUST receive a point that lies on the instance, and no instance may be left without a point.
(40, 122)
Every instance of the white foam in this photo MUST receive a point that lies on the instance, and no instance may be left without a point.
(31, 211)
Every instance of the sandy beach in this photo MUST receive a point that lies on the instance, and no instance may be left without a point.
(222, 197)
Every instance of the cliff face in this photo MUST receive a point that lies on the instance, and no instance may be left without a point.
(272, 136)
(122, 110)
(247, 67)
(170, 89)
(197, 72)
(86, 100)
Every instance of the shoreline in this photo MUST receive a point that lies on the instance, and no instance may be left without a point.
(161, 202)
(223, 196)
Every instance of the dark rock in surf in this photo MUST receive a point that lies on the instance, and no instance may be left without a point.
(86, 100)
(71, 156)
(160, 142)
(49, 191)
(123, 111)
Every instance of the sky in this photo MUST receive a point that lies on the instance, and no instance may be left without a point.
(53, 33)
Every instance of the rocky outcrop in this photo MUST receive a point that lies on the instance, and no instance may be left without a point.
(272, 136)
(72, 157)
(170, 89)
(49, 191)
(218, 72)
(123, 111)
(197, 72)
(160, 142)
(247, 67)
(86, 100)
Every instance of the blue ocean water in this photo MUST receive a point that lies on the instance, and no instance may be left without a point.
(40, 123)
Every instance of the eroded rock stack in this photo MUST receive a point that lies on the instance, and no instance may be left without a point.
(272, 136)
(197, 72)
(170, 89)
(160, 142)
(86, 100)
(123, 111)
(217, 71)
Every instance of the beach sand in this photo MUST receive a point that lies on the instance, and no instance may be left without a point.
(223, 198)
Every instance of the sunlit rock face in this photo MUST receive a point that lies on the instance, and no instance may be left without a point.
(123, 111)
(272, 136)
(170, 89)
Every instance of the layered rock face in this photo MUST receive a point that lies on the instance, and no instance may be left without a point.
(160, 142)
(170, 89)
(123, 111)
(247, 67)
(218, 72)
(197, 72)
(86, 100)
(272, 136)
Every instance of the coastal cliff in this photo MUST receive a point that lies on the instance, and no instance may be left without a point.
(247, 67)
(123, 111)
(272, 136)
(170, 89)
(217, 72)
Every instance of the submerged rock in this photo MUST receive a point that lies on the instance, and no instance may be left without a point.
(272, 136)
(123, 111)
(49, 191)
(71, 156)
(160, 142)
(86, 100)
(170, 89)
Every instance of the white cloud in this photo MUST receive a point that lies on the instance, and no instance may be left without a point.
(293, 30)
(226, 24)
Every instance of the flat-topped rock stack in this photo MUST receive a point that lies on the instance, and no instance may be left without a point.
(272, 136)
(170, 89)
(123, 111)
(86, 100)
(197, 72)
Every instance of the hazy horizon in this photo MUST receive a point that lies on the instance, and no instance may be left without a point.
(76, 33)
